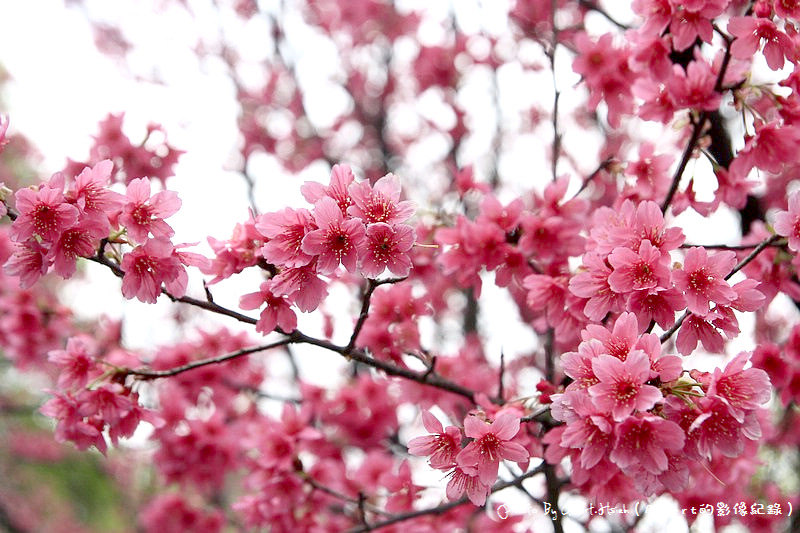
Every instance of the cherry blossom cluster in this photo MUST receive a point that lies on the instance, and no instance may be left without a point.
(86, 405)
(508, 239)
(60, 221)
(33, 321)
(353, 224)
(473, 468)
(602, 404)
(173, 512)
(782, 364)
(152, 158)
(628, 268)
(631, 415)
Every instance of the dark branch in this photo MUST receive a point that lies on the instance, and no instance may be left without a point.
(145, 373)
(441, 509)
(372, 284)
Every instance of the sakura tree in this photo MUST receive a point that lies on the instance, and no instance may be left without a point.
(620, 178)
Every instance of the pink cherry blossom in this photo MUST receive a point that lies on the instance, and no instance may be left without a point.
(78, 363)
(620, 340)
(466, 480)
(659, 306)
(621, 388)
(743, 389)
(593, 283)
(644, 441)
(694, 87)
(787, 223)
(645, 269)
(235, 254)
(695, 329)
(143, 215)
(302, 286)
(491, 445)
(341, 178)
(285, 231)
(43, 212)
(28, 263)
(92, 196)
(337, 241)
(787, 8)
(578, 365)
(769, 357)
(590, 430)
(691, 20)
(173, 512)
(750, 31)
(278, 312)
(78, 241)
(702, 279)
(718, 427)
(773, 146)
(657, 15)
(146, 267)
(72, 426)
(379, 203)
(385, 247)
(442, 446)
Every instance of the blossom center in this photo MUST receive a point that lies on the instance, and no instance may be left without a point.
(379, 210)
(643, 274)
(490, 446)
(699, 280)
(141, 215)
(44, 218)
(626, 391)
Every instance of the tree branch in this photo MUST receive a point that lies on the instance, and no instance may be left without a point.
(146, 374)
(697, 131)
(372, 284)
(443, 508)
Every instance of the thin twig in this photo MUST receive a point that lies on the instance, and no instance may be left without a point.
(428, 377)
(778, 243)
(146, 373)
(697, 130)
(443, 508)
(327, 490)
(592, 6)
(551, 55)
(372, 284)
(502, 373)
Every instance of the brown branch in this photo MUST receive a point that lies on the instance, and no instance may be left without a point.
(593, 6)
(553, 486)
(697, 131)
(372, 284)
(777, 244)
(752, 255)
(604, 164)
(443, 508)
(327, 490)
(428, 377)
(551, 55)
(146, 374)
(687, 155)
